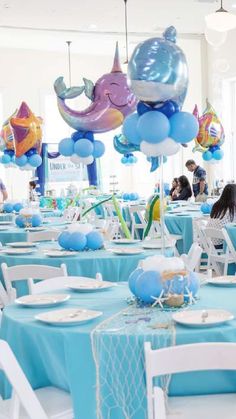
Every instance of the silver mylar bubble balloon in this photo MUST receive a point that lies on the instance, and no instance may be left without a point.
(158, 70)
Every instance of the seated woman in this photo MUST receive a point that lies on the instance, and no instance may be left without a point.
(223, 211)
(33, 196)
(174, 187)
(184, 191)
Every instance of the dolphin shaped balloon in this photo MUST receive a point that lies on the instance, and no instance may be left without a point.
(111, 98)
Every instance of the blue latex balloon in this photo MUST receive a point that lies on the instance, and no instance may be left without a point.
(143, 108)
(83, 147)
(214, 148)
(153, 127)
(193, 283)
(17, 207)
(133, 278)
(184, 127)
(133, 196)
(206, 208)
(99, 149)
(66, 147)
(36, 220)
(157, 70)
(148, 285)
(177, 284)
(77, 241)
(125, 196)
(20, 221)
(130, 129)
(31, 152)
(94, 240)
(77, 135)
(21, 161)
(207, 155)
(5, 159)
(124, 160)
(63, 240)
(168, 108)
(7, 207)
(218, 154)
(35, 160)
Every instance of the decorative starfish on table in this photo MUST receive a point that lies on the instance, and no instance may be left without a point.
(192, 299)
(159, 300)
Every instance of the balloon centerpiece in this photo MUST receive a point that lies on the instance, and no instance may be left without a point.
(163, 281)
(210, 136)
(10, 207)
(129, 159)
(111, 100)
(79, 237)
(28, 217)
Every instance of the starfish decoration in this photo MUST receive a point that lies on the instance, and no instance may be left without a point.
(192, 299)
(159, 300)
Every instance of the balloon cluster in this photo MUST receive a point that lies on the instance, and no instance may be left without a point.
(210, 136)
(206, 208)
(28, 217)
(163, 278)
(158, 76)
(133, 196)
(129, 159)
(80, 237)
(22, 135)
(81, 148)
(9, 207)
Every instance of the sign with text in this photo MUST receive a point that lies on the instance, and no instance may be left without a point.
(62, 169)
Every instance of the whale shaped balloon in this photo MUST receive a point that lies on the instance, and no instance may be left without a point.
(111, 98)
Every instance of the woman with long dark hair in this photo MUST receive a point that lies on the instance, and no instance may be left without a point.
(173, 190)
(184, 189)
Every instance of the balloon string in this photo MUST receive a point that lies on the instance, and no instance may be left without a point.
(69, 61)
(126, 34)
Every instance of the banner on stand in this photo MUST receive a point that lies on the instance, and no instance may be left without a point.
(62, 169)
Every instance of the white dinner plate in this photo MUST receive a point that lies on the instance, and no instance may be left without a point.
(42, 300)
(5, 223)
(125, 241)
(202, 318)
(223, 281)
(21, 244)
(35, 228)
(16, 251)
(59, 253)
(126, 250)
(89, 285)
(157, 244)
(68, 316)
(4, 228)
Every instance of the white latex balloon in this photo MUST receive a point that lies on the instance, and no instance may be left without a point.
(84, 228)
(27, 167)
(87, 160)
(215, 38)
(150, 150)
(168, 147)
(75, 159)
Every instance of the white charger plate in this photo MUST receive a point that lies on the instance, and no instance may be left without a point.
(16, 251)
(68, 316)
(89, 285)
(42, 300)
(223, 281)
(195, 318)
(59, 253)
(21, 244)
(125, 241)
(157, 244)
(126, 251)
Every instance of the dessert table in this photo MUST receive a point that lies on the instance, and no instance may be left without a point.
(102, 362)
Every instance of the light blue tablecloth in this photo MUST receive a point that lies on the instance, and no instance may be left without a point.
(65, 356)
(113, 267)
(16, 234)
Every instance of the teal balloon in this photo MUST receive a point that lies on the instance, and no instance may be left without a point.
(36, 220)
(133, 278)
(20, 221)
(6, 159)
(148, 285)
(207, 155)
(66, 147)
(94, 240)
(63, 240)
(218, 155)
(35, 160)
(129, 129)
(17, 207)
(21, 161)
(77, 241)
(153, 127)
(206, 208)
(184, 127)
(7, 207)
(99, 149)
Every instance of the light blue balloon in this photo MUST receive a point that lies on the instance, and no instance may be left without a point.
(177, 284)
(193, 283)
(63, 240)
(129, 129)
(206, 208)
(133, 278)
(77, 241)
(20, 221)
(66, 147)
(35, 160)
(153, 127)
(17, 207)
(207, 155)
(6, 159)
(98, 149)
(184, 127)
(148, 284)
(36, 220)
(218, 155)
(94, 240)
(21, 161)
(125, 196)
(124, 160)
(7, 207)
(83, 147)
(158, 71)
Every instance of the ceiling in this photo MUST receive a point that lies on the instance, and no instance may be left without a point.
(48, 24)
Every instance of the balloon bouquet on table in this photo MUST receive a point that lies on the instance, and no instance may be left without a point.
(111, 101)
(28, 217)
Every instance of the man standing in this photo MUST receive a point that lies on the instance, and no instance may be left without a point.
(3, 192)
(200, 188)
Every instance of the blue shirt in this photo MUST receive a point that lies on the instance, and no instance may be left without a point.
(198, 175)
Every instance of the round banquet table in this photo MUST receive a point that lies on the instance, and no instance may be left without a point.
(101, 362)
(113, 267)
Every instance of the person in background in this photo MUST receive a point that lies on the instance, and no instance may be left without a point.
(184, 190)
(3, 191)
(33, 196)
(200, 188)
(174, 187)
(223, 211)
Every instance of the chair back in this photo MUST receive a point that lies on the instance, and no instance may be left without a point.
(193, 258)
(38, 236)
(22, 391)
